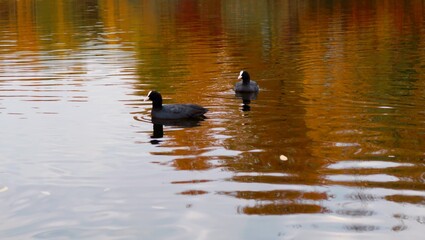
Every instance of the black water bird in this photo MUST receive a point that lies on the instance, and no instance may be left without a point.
(174, 111)
(246, 84)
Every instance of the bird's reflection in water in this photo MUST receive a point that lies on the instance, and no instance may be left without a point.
(158, 127)
(246, 99)
(158, 133)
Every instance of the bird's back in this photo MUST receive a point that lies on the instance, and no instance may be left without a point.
(252, 86)
(179, 111)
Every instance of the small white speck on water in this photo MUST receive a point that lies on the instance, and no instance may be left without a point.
(283, 158)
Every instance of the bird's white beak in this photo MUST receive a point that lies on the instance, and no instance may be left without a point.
(147, 96)
(240, 75)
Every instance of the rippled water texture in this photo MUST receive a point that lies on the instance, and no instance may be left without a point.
(333, 146)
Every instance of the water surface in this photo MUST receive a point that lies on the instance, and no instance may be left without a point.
(333, 146)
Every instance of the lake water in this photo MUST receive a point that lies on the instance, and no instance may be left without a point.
(333, 146)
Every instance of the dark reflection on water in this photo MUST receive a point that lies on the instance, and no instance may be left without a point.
(246, 99)
(333, 145)
(158, 126)
(158, 133)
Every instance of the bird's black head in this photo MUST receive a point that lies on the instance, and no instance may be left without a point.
(156, 99)
(244, 75)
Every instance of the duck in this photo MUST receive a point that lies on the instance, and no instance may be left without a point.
(246, 84)
(174, 111)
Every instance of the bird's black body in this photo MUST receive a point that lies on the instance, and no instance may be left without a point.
(174, 111)
(246, 84)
